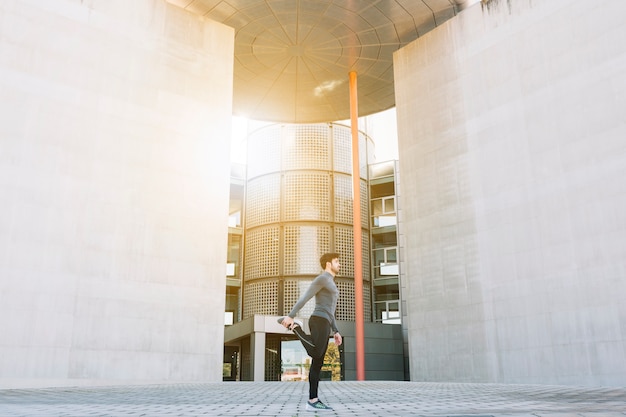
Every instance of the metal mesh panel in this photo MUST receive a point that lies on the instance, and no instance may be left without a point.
(261, 298)
(264, 151)
(304, 245)
(239, 304)
(292, 290)
(295, 212)
(363, 171)
(345, 305)
(365, 253)
(263, 200)
(344, 246)
(367, 302)
(364, 205)
(261, 253)
(343, 199)
(306, 196)
(342, 153)
(306, 147)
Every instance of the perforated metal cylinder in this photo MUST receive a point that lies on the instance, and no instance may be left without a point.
(299, 206)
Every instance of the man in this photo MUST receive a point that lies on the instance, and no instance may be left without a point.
(321, 322)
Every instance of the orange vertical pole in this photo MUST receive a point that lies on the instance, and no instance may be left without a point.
(356, 218)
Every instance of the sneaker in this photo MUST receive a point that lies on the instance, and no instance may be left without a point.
(317, 406)
(295, 322)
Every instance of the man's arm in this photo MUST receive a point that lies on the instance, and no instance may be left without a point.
(315, 286)
(333, 325)
(336, 335)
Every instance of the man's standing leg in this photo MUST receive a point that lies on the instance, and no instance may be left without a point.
(320, 332)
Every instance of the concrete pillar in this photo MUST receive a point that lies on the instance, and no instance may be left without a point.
(513, 162)
(257, 347)
(114, 183)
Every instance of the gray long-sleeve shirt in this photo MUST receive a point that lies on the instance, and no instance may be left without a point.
(326, 294)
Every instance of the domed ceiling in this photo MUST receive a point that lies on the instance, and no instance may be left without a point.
(292, 57)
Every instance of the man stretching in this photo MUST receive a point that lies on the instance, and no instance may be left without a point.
(321, 322)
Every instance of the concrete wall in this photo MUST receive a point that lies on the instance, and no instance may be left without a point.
(512, 143)
(114, 181)
(384, 351)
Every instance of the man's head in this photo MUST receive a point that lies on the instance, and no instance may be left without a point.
(328, 258)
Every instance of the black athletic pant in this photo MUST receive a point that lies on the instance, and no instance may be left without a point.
(315, 344)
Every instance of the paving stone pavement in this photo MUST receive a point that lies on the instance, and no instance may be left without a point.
(350, 398)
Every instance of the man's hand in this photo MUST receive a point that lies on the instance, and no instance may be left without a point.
(287, 322)
(338, 339)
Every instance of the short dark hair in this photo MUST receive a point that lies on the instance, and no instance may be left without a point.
(328, 257)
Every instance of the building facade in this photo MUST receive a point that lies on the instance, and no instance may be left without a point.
(513, 158)
(113, 187)
(115, 123)
(297, 206)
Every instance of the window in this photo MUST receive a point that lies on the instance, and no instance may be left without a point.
(229, 318)
(383, 212)
(233, 254)
(388, 312)
(234, 220)
(385, 262)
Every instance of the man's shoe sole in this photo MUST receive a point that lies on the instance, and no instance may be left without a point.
(309, 407)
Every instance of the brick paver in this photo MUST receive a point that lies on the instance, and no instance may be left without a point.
(367, 398)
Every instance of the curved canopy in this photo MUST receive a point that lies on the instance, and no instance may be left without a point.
(292, 57)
